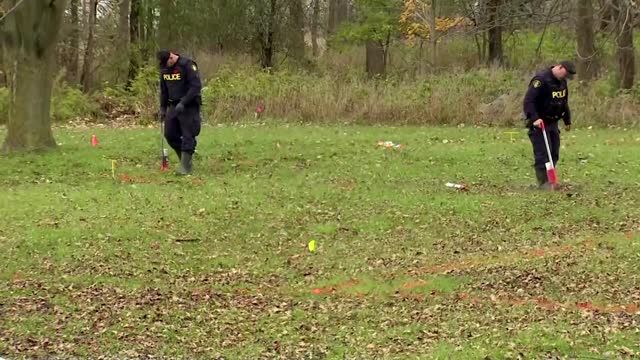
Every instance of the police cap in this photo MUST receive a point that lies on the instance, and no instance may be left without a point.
(163, 57)
(571, 68)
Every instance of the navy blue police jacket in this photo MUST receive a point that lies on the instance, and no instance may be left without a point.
(547, 98)
(180, 83)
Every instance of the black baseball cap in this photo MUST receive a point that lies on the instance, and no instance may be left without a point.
(163, 57)
(570, 66)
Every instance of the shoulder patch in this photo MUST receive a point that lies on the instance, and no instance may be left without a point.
(536, 83)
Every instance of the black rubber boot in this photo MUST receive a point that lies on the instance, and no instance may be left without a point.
(541, 175)
(543, 182)
(186, 166)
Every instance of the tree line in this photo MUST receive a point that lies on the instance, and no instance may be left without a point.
(98, 41)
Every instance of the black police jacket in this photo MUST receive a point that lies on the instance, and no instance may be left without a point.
(180, 83)
(548, 99)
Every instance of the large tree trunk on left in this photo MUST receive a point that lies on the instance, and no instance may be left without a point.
(30, 36)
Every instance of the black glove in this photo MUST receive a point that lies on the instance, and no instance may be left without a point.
(163, 114)
(179, 108)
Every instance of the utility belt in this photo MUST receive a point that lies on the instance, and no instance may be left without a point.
(553, 118)
(549, 121)
(196, 102)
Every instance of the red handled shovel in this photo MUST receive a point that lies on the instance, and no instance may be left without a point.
(552, 176)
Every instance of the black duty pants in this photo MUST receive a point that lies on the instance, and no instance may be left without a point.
(182, 130)
(539, 148)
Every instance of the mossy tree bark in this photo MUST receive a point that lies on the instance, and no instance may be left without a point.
(30, 37)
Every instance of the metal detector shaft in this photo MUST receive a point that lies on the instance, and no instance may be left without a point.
(163, 154)
(161, 136)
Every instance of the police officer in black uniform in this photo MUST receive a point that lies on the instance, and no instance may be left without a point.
(547, 100)
(180, 102)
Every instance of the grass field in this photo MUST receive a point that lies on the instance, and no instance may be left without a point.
(217, 264)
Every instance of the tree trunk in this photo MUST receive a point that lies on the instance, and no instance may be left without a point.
(3, 71)
(85, 16)
(338, 13)
(87, 70)
(586, 46)
(123, 38)
(29, 44)
(267, 41)
(296, 29)
(421, 67)
(478, 47)
(148, 24)
(331, 26)
(433, 34)
(134, 40)
(626, 57)
(149, 30)
(315, 24)
(485, 46)
(74, 44)
(342, 14)
(495, 33)
(134, 21)
(165, 28)
(376, 64)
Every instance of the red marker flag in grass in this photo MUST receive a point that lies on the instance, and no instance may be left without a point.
(259, 111)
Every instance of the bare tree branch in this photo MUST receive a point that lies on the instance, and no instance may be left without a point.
(11, 11)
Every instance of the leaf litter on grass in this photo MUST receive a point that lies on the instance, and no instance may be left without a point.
(431, 271)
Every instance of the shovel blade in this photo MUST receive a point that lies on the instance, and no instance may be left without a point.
(165, 160)
(552, 176)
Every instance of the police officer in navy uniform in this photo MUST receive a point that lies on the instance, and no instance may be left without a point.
(547, 100)
(180, 102)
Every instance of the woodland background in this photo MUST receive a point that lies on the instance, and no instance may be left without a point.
(364, 61)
